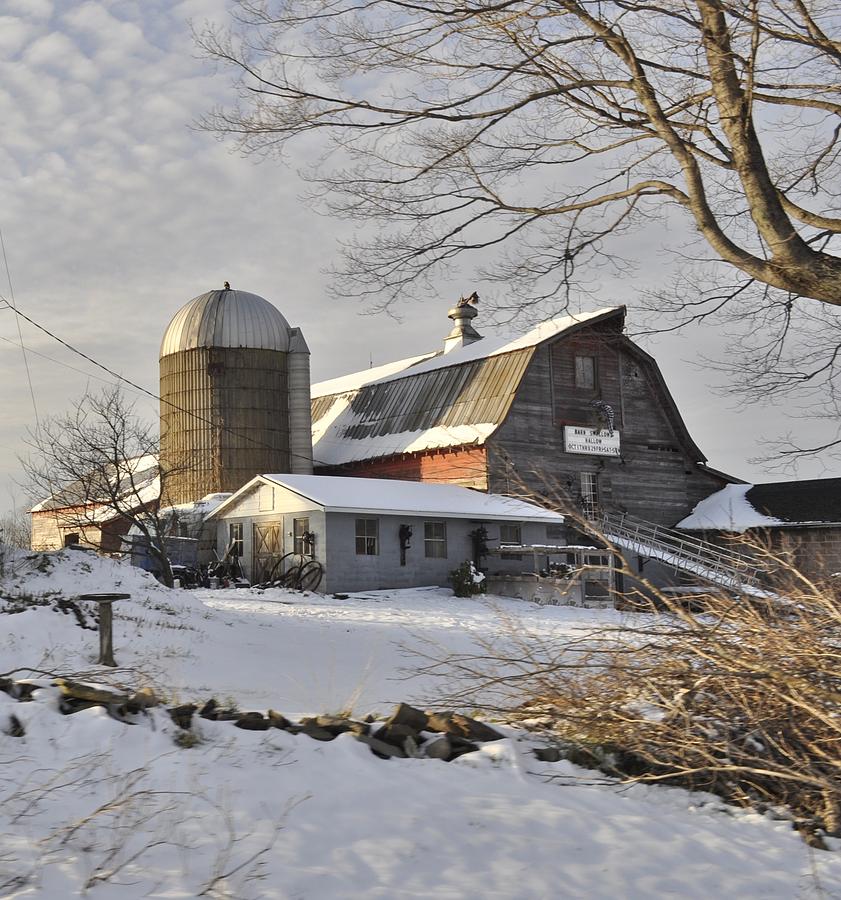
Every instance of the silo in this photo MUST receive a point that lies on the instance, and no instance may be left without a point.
(233, 375)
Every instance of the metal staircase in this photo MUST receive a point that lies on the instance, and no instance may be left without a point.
(701, 558)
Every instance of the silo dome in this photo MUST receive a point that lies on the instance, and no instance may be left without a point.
(227, 318)
(235, 395)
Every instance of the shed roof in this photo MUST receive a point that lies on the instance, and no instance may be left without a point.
(431, 401)
(377, 496)
(739, 507)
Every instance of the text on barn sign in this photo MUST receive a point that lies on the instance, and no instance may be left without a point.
(595, 441)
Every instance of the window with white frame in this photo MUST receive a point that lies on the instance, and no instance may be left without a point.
(235, 539)
(435, 540)
(367, 537)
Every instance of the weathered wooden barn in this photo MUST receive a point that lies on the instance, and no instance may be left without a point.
(572, 412)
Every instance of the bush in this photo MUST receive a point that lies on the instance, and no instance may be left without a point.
(466, 581)
(739, 695)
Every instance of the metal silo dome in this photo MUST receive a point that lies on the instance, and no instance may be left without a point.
(227, 318)
(235, 395)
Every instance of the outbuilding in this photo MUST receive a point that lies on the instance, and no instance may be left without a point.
(799, 521)
(370, 533)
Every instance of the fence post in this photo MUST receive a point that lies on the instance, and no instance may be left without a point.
(106, 624)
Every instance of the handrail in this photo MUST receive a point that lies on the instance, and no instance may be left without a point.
(736, 568)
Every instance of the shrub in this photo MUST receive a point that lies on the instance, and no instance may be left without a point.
(466, 581)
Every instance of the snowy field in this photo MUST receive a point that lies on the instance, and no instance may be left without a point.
(90, 805)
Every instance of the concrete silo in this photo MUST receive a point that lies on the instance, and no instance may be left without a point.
(235, 395)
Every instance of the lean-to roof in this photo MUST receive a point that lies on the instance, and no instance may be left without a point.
(429, 402)
(739, 507)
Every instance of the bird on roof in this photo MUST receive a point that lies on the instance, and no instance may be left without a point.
(466, 301)
(227, 285)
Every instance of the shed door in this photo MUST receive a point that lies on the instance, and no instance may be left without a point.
(268, 549)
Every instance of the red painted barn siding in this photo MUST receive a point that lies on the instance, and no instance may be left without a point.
(466, 466)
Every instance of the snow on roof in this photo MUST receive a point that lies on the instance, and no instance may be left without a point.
(144, 487)
(737, 507)
(356, 380)
(440, 360)
(386, 497)
(428, 402)
(727, 510)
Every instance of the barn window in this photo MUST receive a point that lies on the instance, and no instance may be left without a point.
(72, 538)
(590, 494)
(435, 539)
(367, 537)
(585, 372)
(235, 539)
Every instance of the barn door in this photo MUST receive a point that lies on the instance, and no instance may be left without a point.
(268, 549)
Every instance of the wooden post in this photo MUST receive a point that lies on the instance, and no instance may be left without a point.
(106, 632)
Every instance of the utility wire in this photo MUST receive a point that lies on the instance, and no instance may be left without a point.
(137, 387)
(11, 302)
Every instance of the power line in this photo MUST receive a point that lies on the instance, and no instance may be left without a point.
(143, 390)
(20, 335)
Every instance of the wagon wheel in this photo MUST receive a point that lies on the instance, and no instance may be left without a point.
(290, 577)
(310, 577)
(275, 577)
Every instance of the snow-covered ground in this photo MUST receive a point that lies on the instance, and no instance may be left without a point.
(90, 804)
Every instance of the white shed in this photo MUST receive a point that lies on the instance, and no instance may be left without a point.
(371, 533)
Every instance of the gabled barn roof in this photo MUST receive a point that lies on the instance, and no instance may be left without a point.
(739, 507)
(432, 401)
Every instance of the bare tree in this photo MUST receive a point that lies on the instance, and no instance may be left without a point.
(98, 468)
(545, 128)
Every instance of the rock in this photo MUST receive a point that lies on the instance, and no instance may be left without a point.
(316, 732)
(15, 728)
(462, 747)
(380, 748)
(439, 748)
(253, 721)
(69, 705)
(183, 715)
(144, 698)
(336, 724)
(278, 720)
(397, 735)
(548, 754)
(462, 726)
(209, 710)
(407, 715)
(91, 692)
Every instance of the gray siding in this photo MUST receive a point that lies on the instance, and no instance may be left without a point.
(348, 571)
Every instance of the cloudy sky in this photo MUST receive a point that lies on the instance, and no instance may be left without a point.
(114, 212)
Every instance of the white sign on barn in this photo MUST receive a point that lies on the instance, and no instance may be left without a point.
(594, 441)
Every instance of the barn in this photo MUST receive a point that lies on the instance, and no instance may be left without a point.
(572, 412)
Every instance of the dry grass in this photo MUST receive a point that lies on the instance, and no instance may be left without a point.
(739, 695)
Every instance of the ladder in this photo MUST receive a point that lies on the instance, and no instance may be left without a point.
(708, 561)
